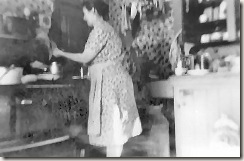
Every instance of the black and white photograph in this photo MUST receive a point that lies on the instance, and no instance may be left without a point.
(120, 79)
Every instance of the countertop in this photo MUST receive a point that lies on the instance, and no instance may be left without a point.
(213, 78)
(164, 88)
(62, 83)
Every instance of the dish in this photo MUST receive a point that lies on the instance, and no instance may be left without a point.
(29, 78)
(197, 72)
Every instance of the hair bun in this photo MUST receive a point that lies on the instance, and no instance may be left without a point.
(101, 7)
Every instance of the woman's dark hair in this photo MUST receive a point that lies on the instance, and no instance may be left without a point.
(101, 7)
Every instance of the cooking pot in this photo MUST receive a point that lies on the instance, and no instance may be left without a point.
(10, 75)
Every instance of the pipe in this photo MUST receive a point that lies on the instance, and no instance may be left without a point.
(33, 145)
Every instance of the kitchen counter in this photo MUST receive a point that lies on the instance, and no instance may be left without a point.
(165, 88)
(204, 107)
(67, 80)
(212, 78)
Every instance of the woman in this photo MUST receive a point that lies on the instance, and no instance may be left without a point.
(113, 115)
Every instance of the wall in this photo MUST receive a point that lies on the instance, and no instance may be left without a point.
(177, 14)
(68, 30)
(11, 51)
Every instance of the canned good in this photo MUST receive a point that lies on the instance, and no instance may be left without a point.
(203, 60)
(189, 62)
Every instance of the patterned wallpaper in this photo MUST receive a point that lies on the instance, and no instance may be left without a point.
(154, 38)
(150, 45)
(120, 19)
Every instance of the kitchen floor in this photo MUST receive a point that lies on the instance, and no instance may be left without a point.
(136, 147)
(68, 149)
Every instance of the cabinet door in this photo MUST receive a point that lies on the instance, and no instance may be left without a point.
(185, 127)
(197, 113)
(5, 112)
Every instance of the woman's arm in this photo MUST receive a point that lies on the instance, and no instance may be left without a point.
(95, 43)
(38, 64)
(84, 57)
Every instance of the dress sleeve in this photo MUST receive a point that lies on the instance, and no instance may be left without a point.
(96, 40)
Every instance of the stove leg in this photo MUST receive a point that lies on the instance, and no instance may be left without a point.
(82, 153)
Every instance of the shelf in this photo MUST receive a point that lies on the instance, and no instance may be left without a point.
(6, 36)
(216, 25)
(49, 86)
(193, 29)
(206, 28)
(216, 44)
(209, 3)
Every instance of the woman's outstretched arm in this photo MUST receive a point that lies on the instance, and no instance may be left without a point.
(96, 42)
(84, 57)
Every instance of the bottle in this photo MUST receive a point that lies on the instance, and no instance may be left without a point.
(81, 73)
(223, 10)
(192, 59)
(179, 70)
(216, 14)
(54, 68)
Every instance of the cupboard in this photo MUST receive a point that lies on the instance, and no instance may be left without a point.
(207, 116)
(206, 112)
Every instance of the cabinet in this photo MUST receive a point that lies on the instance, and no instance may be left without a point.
(199, 106)
(30, 110)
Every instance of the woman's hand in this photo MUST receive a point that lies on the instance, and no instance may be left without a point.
(57, 52)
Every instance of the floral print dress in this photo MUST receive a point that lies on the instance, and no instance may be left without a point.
(113, 116)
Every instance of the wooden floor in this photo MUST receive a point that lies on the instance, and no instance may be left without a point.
(68, 149)
(132, 148)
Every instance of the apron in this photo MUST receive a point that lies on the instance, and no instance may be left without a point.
(95, 97)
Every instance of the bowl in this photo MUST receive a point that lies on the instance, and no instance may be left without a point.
(13, 76)
(180, 71)
(2, 71)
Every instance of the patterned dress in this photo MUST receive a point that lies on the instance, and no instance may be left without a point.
(113, 115)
